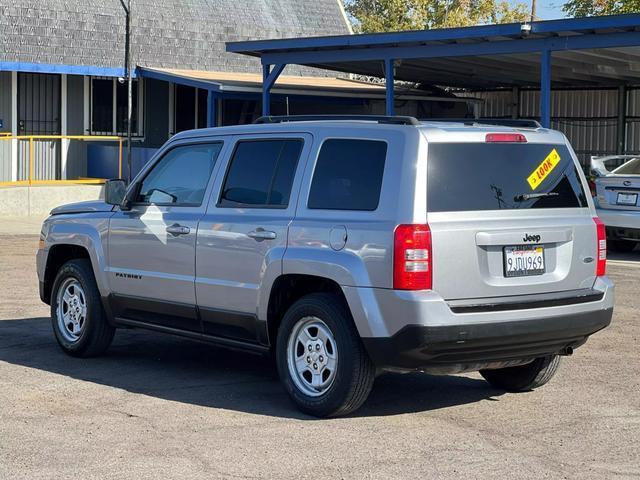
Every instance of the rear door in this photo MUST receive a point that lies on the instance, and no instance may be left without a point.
(621, 188)
(508, 219)
(243, 235)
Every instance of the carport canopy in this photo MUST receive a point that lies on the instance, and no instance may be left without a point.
(583, 52)
(229, 83)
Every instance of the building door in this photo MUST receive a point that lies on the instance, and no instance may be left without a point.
(39, 114)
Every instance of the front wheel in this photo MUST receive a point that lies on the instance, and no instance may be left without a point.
(79, 322)
(321, 360)
(523, 377)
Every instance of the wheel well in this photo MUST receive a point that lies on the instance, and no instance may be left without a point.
(58, 256)
(287, 289)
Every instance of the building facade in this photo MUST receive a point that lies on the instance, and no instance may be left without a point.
(63, 68)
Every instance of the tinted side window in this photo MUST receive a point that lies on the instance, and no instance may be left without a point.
(348, 175)
(261, 173)
(180, 177)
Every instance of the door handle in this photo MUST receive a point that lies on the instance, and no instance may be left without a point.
(262, 234)
(177, 229)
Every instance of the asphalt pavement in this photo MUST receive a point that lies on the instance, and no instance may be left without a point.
(163, 407)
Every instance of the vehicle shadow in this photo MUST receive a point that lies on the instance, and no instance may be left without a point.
(633, 256)
(181, 370)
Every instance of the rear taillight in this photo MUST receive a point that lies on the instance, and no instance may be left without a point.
(505, 138)
(412, 258)
(601, 264)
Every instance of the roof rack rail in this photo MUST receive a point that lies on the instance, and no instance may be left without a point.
(504, 122)
(395, 120)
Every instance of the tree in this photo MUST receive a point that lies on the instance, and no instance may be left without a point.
(394, 15)
(590, 8)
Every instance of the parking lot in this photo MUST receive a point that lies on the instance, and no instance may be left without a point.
(160, 407)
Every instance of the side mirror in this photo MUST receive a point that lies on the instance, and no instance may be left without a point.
(115, 191)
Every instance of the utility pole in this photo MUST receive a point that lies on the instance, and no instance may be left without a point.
(533, 10)
(128, 63)
(129, 90)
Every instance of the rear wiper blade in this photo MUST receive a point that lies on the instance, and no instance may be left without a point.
(528, 196)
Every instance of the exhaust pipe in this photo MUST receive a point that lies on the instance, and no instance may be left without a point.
(566, 351)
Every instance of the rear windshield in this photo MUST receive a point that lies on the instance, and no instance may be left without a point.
(632, 167)
(493, 176)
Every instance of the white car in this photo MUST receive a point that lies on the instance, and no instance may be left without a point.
(616, 201)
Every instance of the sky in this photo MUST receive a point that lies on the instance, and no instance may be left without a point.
(546, 9)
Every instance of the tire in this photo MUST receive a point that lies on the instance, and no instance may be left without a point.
(621, 246)
(523, 378)
(88, 333)
(347, 372)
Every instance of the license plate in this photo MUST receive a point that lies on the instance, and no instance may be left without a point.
(627, 199)
(523, 260)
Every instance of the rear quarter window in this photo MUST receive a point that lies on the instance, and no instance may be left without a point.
(348, 175)
(486, 176)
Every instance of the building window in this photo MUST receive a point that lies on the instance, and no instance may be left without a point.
(189, 108)
(109, 107)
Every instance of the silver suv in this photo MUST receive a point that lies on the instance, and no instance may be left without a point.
(345, 246)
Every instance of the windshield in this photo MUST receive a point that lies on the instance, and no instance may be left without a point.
(496, 176)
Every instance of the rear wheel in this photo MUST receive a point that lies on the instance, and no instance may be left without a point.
(523, 378)
(321, 360)
(79, 322)
(621, 246)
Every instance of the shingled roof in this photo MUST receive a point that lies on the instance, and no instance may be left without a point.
(186, 34)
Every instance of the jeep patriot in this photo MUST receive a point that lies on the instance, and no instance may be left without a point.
(344, 246)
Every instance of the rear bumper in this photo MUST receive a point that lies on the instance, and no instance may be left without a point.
(619, 218)
(471, 347)
(421, 331)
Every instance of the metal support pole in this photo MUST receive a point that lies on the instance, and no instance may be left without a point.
(14, 127)
(120, 158)
(515, 102)
(128, 63)
(64, 142)
(269, 77)
(31, 162)
(211, 109)
(389, 77)
(266, 97)
(545, 89)
(622, 120)
(129, 92)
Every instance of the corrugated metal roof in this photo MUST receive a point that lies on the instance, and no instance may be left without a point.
(592, 51)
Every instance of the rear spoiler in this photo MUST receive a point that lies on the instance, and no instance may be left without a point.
(501, 122)
(598, 167)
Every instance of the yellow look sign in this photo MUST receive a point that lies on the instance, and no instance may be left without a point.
(544, 169)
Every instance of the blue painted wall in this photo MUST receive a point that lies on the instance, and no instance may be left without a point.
(102, 160)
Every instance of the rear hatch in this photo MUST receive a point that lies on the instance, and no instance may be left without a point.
(508, 219)
(620, 189)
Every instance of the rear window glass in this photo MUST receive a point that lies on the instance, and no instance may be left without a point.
(632, 167)
(348, 175)
(486, 176)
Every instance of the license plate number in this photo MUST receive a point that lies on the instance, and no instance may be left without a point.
(523, 260)
(627, 199)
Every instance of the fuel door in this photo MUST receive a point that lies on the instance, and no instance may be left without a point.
(338, 237)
